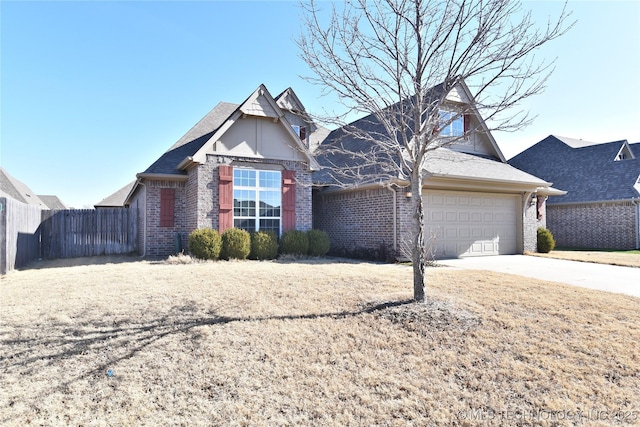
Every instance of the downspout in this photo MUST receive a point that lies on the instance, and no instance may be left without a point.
(636, 203)
(144, 231)
(395, 217)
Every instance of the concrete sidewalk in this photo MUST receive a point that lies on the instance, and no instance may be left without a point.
(610, 278)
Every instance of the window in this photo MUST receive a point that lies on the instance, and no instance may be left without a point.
(450, 126)
(257, 200)
(301, 131)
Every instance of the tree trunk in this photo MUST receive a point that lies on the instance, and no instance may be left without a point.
(417, 245)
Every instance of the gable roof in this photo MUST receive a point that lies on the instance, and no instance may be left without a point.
(11, 187)
(193, 146)
(53, 202)
(588, 171)
(116, 199)
(441, 162)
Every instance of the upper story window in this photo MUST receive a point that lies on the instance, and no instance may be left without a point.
(450, 125)
(257, 200)
(301, 131)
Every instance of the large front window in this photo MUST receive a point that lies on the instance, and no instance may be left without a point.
(450, 125)
(257, 200)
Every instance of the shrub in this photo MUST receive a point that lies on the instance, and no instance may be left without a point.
(205, 243)
(236, 243)
(294, 242)
(546, 243)
(264, 245)
(319, 243)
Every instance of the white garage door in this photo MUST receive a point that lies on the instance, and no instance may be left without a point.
(461, 224)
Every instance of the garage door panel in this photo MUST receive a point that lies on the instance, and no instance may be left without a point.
(471, 224)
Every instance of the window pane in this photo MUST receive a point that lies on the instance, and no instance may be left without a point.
(269, 179)
(244, 178)
(245, 224)
(244, 203)
(272, 225)
(270, 203)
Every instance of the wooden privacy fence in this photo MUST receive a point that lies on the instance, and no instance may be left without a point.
(87, 232)
(19, 234)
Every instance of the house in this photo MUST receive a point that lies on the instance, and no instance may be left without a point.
(602, 206)
(117, 199)
(475, 202)
(18, 190)
(242, 165)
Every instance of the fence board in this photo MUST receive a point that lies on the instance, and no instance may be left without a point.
(87, 232)
(19, 234)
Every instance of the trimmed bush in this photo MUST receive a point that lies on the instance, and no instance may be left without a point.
(263, 245)
(294, 242)
(205, 243)
(236, 243)
(546, 242)
(319, 243)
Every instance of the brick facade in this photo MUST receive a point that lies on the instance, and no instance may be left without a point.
(361, 221)
(197, 205)
(356, 221)
(594, 225)
(160, 241)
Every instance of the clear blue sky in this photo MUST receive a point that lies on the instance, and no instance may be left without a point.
(93, 92)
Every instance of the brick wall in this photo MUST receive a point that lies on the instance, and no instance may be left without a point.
(534, 217)
(595, 226)
(355, 220)
(160, 240)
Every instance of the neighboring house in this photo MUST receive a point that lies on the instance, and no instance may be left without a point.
(117, 199)
(18, 190)
(53, 202)
(602, 207)
(243, 165)
(475, 203)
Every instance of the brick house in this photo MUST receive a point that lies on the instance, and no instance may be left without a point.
(242, 165)
(602, 207)
(475, 203)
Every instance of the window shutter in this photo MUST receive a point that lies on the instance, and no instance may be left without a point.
(467, 123)
(288, 200)
(303, 133)
(225, 198)
(167, 205)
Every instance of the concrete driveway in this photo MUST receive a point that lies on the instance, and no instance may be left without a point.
(610, 278)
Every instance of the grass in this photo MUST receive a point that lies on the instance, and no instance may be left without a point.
(317, 342)
(622, 258)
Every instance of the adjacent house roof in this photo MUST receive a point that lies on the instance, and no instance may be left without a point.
(11, 187)
(117, 199)
(53, 202)
(590, 172)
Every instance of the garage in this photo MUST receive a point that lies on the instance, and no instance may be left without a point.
(462, 224)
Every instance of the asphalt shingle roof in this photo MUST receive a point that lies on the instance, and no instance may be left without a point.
(118, 198)
(192, 141)
(18, 190)
(589, 172)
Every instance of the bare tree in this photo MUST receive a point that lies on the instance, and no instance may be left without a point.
(397, 60)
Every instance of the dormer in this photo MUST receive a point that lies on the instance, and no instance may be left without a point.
(625, 153)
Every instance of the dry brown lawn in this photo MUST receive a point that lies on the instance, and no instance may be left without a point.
(599, 257)
(320, 342)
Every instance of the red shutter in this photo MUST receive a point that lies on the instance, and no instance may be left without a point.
(467, 123)
(225, 198)
(167, 204)
(288, 200)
